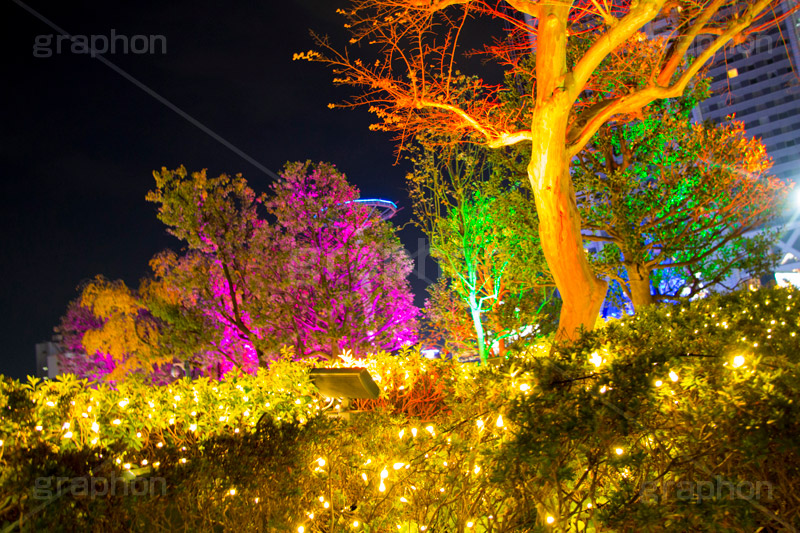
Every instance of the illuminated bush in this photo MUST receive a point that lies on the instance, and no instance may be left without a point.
(678, 419)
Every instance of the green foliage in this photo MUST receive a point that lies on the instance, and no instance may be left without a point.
(678, 419)
(478, 213)
(673, 203)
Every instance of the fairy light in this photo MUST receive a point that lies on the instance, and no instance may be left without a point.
(232, 492)
(398, 466)
(659, 383)
(619, 451)
(738, 361)
(124, 402)
(673, 376)
(116, 421)
(321, 462)
(499, 422)
(550, 519)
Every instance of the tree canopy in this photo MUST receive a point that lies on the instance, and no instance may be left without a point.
(593, 63)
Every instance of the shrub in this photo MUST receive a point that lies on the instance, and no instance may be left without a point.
(680, 418)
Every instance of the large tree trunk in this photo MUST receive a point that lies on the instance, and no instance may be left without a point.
(581, 291)
(639, 280)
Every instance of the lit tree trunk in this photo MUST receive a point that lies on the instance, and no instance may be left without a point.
(582, 293)
(475, 313)
(639, 281)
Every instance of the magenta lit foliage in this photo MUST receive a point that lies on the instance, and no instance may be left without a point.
(305, 266)
(345, 270)
(72, 357)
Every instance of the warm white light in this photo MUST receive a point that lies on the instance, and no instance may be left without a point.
(659, 383)
(499, 421)
(123, 403)
(321, 461)
(524, 387)
(232, 492)
(619, 451)
(398, 466)
(384, 473)
(550, 519)
(673, 376)
(738, 361)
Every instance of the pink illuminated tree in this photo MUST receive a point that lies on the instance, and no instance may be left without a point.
(343, 269)
(324, 276)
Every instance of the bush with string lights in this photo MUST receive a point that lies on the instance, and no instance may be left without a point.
(679, 418)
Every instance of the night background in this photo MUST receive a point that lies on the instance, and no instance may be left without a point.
(80, 142)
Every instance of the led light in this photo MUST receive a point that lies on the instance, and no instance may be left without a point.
(659, 383)
(673, 376)
(738, 361)
(550, 519)
(398, 466)
(619, 451)
(524, 387)
(321, 461)
(123, 403)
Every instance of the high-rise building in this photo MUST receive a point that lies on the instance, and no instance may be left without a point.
(47, 359)
(758, 81)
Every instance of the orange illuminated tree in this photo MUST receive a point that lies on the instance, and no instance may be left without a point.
(593, 64)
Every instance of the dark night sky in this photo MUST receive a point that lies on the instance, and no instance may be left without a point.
(80, 142)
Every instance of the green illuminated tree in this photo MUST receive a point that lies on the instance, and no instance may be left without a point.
(482, 230)
(673, 203)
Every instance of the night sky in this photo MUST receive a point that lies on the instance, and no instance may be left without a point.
(80, 142)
